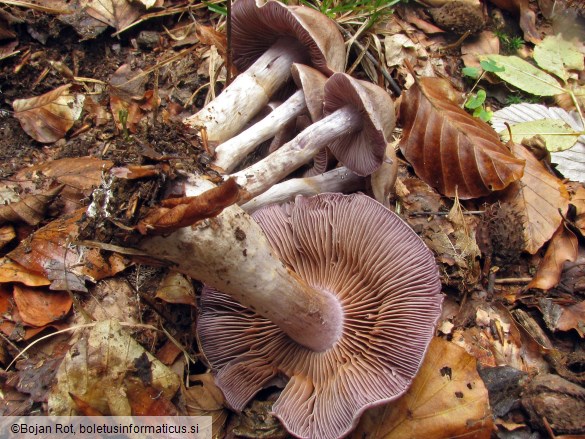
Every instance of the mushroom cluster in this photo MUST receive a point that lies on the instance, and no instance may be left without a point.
(333, 296)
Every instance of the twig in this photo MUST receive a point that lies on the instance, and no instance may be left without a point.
(513, 280)
(465, 212)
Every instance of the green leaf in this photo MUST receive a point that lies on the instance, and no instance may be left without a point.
(525, 76)
(490, 66)
(483, 114)
(472, 72)
(558, 135)
(556, 55)
(475, 101)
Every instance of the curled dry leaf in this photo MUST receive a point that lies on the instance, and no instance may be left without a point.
(176, 288)
(446, 399)
(31, 209)
(572, 318)
(48, 117)
(12, 272)
(38, 307)
(7, 234)
(562, 248)
(449, 149)
(538, 197)
(204, 398)
(96, 369)
(176, 213)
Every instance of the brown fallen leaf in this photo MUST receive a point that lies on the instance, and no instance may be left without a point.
(537, 197)
(176, 288)
(39, 307)
(446, 399)
(485, 43)
(30, 209)
(48, 117)
(204, 398)
(96, 368)
(449, 149)
(578, 200)
(176, 213)
(7, 234)
(563, 247)
(48, 251)
(527, 17)
(145, 400)
(572, 317)
(127, 91)
(12, 272)
(116, 13)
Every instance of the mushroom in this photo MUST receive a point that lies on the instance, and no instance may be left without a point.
(386, 282)
(266, 40)
(359, 117)
(309, 97)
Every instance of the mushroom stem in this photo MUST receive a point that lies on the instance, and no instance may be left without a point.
(227, 114)
(337, 180)
(234, 150)
(231, 253)
(258, 177)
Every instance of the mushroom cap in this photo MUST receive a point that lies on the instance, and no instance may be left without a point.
(312, 82)
(388, 286)
(256, 28)
(363, 150)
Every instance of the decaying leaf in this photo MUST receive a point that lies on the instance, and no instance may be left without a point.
(446, 399)
(53, 243)
(38, 307)
(485, 43)
(578, 200)
(30, 209)
(13, 272)
(95, 370)
(557, 55)
(7, 234)
(572, 317)
(448, 148)
(562, 248)
(182, 212)
(571, 163)
(538, 197)
(48, 117)
(525, 76)
(204, 398)
(176, 288)
(556, 133)
(116, 13)
(146, 400)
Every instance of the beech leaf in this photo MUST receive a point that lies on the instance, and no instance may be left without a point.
(116, 13)
(449, 149)
(48, 117)
(562, 248)
(525, 76)
(447, 399)
(39, 307)
(557, 134)
(30, 209)
(538, 197)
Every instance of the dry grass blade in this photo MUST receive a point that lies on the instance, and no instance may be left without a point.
(451, 150)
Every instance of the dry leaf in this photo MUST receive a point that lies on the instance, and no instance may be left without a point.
(486, 43)
(48, 117)
(7, 234)
(537, 197)
(578, 200)
(448, 148)
(572, 317)
(182, 212)
(562, 248)
(13, 272)
(95, 369)
(204, 398)
(51, 245)
(40, 307)
(446, 399)
(31, 209)
(116, 13)
(145, 400)
(176, 288)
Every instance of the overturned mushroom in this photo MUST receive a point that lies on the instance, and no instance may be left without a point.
(309, 97)
(387, 286)
(359, 118)
(266, 40)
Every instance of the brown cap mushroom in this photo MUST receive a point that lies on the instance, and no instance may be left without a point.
(387, 284)
(266, 40)
(359, 117)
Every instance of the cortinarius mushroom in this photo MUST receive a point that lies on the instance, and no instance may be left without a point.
(266, 40)
(387, 285)
(359, 118)
(309, 97)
